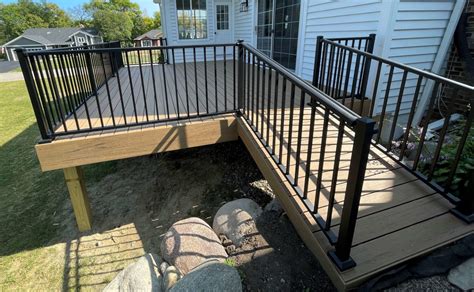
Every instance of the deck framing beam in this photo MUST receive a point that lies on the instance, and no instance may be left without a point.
(127, 143)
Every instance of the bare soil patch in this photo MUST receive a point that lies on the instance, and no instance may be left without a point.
(141, 198)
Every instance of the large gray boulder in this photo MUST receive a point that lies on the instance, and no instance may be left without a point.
(211, 276)
(236, 220)
(142, 275)
(462, 276)
(189, 243)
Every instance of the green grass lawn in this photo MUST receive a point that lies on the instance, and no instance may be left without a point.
(30, 201)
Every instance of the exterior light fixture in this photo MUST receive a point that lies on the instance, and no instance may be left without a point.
(244, 5)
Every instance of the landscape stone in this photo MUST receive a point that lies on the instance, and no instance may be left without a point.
(163, 266)
(462, 276)
(142, 275)
(274, 206)
(211, 276)
(170, 277)
(236, 220)
(189, 243)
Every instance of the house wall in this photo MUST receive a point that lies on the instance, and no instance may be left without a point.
(413, 32)
(169, 7)
(17, 44)
(154, 43)
(333, 19)
(244, 22)
(171, 33)
(87, 39)
(419, 30)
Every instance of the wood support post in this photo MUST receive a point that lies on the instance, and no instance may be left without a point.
(78, 194)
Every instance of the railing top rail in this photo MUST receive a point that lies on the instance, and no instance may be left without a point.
(423, 73)
(79, 47)
(348, 115)
(350, 38)
(104, 50)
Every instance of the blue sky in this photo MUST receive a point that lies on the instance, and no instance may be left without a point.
(146, 5)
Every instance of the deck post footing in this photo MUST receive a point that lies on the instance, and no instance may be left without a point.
(468, 218)
(341, 265)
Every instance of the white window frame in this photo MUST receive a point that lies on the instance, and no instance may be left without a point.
(144, 42)
(191, 9)
(81, 40)
(222, 22)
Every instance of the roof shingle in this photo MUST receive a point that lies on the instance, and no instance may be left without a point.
(54, 35)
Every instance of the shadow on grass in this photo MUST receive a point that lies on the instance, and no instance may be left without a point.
(30, 200)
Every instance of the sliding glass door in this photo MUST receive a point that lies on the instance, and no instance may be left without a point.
(277, 30)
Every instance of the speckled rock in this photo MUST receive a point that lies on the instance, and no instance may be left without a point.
(189, 243)
(236, 220)
(462, 276)
(142, 275)
(210, 276)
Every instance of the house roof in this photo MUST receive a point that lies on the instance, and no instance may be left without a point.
(152, 34)
(48, 36)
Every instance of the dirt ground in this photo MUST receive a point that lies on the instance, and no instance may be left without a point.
(275, 259)
(136, 203)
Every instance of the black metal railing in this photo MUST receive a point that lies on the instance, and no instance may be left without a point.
(332, 62)
(402, 99)
(278, 105)
(157, 56)
(82, 89)
(320, 145)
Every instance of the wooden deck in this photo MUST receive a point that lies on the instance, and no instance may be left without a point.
(156, 93)
(399, 216)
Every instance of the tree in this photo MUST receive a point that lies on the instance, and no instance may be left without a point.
(149, 23)
(120, 8)
(157, 19)
(80, 16)
(113, 25)
(17, 17)
(55, 16)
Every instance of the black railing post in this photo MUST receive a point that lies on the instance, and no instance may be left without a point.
(29, 81)
(164, 43)
(117, 55)
(241, 77)
(371, 40)
(111, 63)
(90, 72)
(364, 129)
(465, 208)
(317, 60)
(162, 61)
(366, 71)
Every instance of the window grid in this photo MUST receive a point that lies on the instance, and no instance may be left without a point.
(192, 19)
(277, 30)
(222, 17)
(146, 43)
(81, 40)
